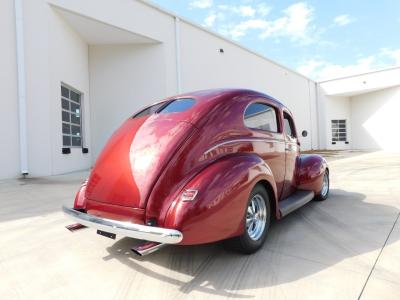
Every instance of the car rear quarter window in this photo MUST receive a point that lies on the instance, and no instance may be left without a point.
(261, 116)
(179, 105)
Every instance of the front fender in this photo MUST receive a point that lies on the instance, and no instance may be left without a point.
(218, 210)
(310, 174)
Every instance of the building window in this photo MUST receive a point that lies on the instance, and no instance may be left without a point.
(339, 131)
(261, 116)
(71, 115)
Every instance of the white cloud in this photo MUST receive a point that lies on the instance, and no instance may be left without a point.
(391, 54)
(343, 20)
(263, 9)
(246, 11)
(320, 69)
(201, 3)
(210, 19)
(241, 29)
(294, 24)
(323, 70)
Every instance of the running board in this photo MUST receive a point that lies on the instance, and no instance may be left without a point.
(295, 201)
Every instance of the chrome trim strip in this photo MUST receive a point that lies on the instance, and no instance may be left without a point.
(243, 140)
(136, 231)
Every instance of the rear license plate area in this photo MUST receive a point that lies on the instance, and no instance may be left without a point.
(107, 234)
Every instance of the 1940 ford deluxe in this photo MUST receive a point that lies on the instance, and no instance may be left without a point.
(198, 168)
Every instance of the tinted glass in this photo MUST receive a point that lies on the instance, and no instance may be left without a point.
(64, 92)
(65, 116)
(66, 128)
(75, 97)
(66, 140)
(178, 105)
(76, 141)
(75, 119)
(76, 130)
(261, 116)
(148, 111)
(289, 129)
(75, 108)
(65, 104)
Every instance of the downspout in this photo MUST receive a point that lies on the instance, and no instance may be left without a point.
(318, 109)
(178, 55)
(23, 140)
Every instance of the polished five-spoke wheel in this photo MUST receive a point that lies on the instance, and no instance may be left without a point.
(257, 219)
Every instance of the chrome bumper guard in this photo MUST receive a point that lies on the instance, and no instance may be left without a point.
(136, 231)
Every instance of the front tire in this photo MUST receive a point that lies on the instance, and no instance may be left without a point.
(323, 194)
(256, 223)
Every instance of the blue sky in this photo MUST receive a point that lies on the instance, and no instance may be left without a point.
(320, 39)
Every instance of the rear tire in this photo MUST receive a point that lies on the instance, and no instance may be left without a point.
(324, 193)
(256, 224)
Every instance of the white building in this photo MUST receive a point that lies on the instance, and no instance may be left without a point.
(107, 58)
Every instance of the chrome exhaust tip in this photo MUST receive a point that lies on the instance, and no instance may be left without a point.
(147, 248)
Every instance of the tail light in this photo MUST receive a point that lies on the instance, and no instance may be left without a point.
(189, 195)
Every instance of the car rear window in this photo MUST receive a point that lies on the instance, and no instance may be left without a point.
(149, 110)
(178, 105)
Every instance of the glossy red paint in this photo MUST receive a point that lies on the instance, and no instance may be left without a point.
(150, 160)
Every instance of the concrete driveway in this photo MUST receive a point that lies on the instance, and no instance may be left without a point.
(344, 248)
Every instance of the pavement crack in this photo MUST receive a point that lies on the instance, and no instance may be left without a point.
(377, 258)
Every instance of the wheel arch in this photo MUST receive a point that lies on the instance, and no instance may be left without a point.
(273, 199)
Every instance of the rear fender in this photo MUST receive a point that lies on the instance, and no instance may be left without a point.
(217, 212)
(311, 172)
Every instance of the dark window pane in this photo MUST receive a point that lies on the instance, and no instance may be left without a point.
(66, 140)
(75, 130)
(148, 111)
(75, 119)
(76, 141)
(178, 105)
(289, 127)
(64, 92)
(65, 104)
(261, 116)
(75, 97)
(76, 108)
(66, 128)
(65, 116)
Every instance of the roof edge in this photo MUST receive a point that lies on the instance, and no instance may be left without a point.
(360, 74)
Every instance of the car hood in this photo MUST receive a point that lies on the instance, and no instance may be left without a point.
(134, 158)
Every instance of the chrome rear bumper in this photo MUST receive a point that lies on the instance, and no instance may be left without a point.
(136, 231)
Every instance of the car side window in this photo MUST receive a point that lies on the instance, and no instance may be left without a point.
(289, 128)
(261, 116)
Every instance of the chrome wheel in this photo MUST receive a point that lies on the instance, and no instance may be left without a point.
(325, 185)
(256, 217)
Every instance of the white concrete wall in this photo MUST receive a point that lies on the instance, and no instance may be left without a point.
(333, 108)
(203, 67)
(375, 120)
(124, 78)
(9, 132)
(69, 64)
(54, 54)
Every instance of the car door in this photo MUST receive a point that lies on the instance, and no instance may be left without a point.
(292, 151)
(262, 118)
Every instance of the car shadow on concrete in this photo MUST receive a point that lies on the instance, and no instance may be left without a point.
(316, 237)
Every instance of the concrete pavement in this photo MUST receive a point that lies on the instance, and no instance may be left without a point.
(343, 248)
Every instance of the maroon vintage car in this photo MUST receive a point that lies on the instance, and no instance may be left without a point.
(198, 168)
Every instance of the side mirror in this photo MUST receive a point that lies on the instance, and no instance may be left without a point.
(304, 133)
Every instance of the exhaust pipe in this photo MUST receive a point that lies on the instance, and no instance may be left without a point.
(147, 248)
